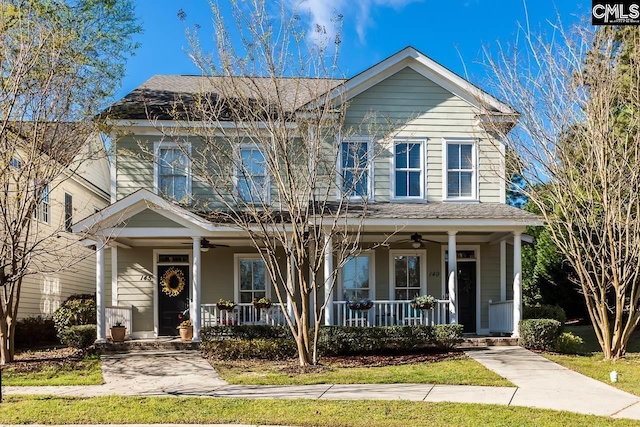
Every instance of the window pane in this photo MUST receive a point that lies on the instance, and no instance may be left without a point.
(246, 297)
(453, 184)
(363, 272)
(413, 268)
(401, 184)
(361, 185)
(414, 156)
(362, 148)
(401, 272)
(179, 188)
(259, 279)
(453, 156)
(401, 155)
(466, 158)
(414, 183)
(347, 155)
(253, 162)
(401, 294)
(465, 184)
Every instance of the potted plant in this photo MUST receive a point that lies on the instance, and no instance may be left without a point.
(263, 302)
(118, 331)
(360, 304)
(424, 302)
(186, 330)
(226, 305)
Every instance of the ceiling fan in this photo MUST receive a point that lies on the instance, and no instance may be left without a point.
(205, 245)
(416, 240)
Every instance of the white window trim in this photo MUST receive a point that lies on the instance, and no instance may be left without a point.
(157, 145)
(474, 176)
(238, 161)
(370, 178)
(422, 253)
(236, 274)
(372, 276)
(423, 170)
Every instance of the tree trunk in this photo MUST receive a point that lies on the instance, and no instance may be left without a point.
(6, 352)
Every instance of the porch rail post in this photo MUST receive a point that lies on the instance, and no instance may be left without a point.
(517, 283)
(194, 308)
(100, 313)
(328, 280)
(452, 279)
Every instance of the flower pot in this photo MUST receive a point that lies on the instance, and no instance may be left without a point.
(421, 306)
(261, 305)
(226, 307)
(118, 333)
(186, 334)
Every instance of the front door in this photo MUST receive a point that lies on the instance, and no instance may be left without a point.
(173, 296)
(467, 295)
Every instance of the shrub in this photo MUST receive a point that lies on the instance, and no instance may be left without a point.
(447, 337)
(79, 336)
(539, 334)
(35, 331)
(568, 343)
(545, 312)
(259, 348)
(245, 332)
(78, 309)
(344, 340)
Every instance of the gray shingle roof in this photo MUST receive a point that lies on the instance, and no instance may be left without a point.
(452, 210)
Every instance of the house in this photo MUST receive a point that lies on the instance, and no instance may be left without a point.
(439, 191)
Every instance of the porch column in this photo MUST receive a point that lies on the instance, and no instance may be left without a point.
(194, 308)
(100, 313)
(114, 277)
(503, 270)
(452, 280)
(517, 282)
(328, 280)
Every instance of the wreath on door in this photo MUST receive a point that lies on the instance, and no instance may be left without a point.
(172, 282)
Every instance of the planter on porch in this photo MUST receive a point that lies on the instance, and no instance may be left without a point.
(118, 333)
(262, 303)
(226, 305)
(424, 302)
(360, 305)
(186, 330)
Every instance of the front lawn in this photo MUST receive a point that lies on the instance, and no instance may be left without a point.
(53, 368)
(593, 365)
(299, 412)
(452, 368)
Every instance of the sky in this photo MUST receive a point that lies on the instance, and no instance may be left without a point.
(451, 32)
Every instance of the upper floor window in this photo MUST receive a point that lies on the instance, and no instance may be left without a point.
(354, 167)
(42, 210)
(252, 175)
(172, 171)
(409, 170)
(68, 211)
(460, 174)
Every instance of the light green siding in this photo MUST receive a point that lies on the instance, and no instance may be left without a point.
(134, 164)
(149, 218)
(489, 280)
(136, 285)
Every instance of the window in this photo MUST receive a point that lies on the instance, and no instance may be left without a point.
(172, 172)
(460, 175)
(407, 276)
(408, 170)
(252, 279)
(15, 163)
(354, 164)
(356, 278)
(252, 175)
(68, 211)
(42, 210)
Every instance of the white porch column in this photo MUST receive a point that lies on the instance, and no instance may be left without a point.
(517, 283)
(101, 333)
(114, 277)
(194, 308)
(328, 280)
(503, 270)
(452, 280)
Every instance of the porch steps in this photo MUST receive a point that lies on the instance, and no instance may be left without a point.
(474, 341)
(147, 344)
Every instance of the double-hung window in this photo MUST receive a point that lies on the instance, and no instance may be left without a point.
(68, 211)
(252, 173)
(172, 171)
(355, 168)
(460, 175)
(42, 210)
(409, 167)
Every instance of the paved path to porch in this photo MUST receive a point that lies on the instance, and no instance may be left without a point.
(540, 383)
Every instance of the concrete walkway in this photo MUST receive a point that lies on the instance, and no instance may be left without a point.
(540, 383)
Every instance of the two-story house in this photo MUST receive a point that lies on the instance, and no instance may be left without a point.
(439, 191)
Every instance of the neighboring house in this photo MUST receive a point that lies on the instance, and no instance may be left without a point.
(78, 192)
(440, 191)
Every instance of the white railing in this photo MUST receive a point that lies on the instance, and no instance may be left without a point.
(501, 317)
(123, 315)
(242, 314)
(388, 313)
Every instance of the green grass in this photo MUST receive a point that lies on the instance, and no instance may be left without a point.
(299, 412)
(85, 372)
(450, 371)
(592, 363)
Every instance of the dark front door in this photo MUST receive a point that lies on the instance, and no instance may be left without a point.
(467, 295)
(173, 296)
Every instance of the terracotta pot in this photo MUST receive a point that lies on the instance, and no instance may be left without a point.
(118, 333)
(186, 334)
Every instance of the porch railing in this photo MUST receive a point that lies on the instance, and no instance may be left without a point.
(242, 314)
(388, 313)
(123, 315)
(501, 317)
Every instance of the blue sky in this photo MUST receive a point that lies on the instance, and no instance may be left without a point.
(452, 32)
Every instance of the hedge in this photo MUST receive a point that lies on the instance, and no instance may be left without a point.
(79, 336)
(35, 331)
(539, 334)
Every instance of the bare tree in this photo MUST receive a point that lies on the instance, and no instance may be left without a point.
(59, 63)
(577, 147)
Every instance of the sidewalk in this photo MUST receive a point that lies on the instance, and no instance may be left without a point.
(540, 384)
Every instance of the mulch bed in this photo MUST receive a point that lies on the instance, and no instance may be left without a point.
(36, 360)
